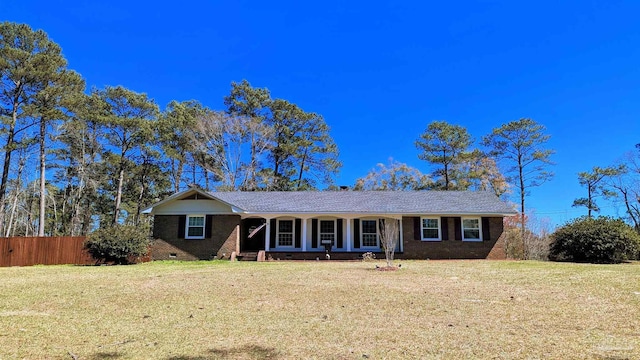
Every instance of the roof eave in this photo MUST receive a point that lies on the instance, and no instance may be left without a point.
(413, 213)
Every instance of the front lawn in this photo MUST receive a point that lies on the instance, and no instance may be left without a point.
(321, 310)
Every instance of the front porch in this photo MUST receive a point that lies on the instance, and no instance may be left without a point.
(345, 237)
(304, 256)
(319, 256)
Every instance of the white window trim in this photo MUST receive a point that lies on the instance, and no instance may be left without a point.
(439, 238)
(293, 234)
(204, 227)
(362, 246)
(335, 232)
(479, 228)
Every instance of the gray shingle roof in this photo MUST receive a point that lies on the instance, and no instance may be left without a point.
(391, 202)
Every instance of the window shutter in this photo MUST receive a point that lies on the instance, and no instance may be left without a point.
(486, 234)
(314, 233)
(457, 221)
(298, 231)
(417, 228)
(356, 233)
(209, 225)
(272, 234)
(444, 228)
(182, 222)
(339, 242)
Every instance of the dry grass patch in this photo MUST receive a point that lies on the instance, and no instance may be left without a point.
(321, 310)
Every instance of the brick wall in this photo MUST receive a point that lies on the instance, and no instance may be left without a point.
(224, 240)
(492, 248)
(167, 244)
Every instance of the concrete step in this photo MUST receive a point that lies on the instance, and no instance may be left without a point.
(247, 256)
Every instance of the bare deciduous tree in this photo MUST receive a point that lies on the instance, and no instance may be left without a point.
(627, 186)
(536, 241)
(394, 176)
(226, 141)
(389, 237)
(478, 171)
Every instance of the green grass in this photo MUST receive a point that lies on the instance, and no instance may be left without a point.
(321, 310)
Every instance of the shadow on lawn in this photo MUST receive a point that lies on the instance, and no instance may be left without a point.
(246, 351)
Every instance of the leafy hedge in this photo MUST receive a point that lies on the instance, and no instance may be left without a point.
(595, 240)
(118, 244)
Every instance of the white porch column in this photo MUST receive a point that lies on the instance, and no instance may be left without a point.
(267, 235)
(401, 235)
(304, 234)
(238, 239)
(349, 235)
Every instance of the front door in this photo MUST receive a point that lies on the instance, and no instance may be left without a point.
(252, 234)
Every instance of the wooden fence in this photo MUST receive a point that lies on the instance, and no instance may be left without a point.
(24, 251)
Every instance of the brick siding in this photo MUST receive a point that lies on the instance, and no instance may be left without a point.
(224, 241)
(167, 244)
(492, 248)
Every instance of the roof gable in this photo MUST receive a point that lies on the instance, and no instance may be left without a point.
(193, 201)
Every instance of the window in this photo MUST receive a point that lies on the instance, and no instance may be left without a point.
(195, 227)
(471, 229)
(327, 231)
(430, 229)
(285, 233)
(369, 233)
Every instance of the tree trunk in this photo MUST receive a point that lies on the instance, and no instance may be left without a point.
(74, 222)
(87, 220)
(176, 172)
(174, 176)
(252, 167)
(77, 223)
(43, 200)
(29, 230)
(304, 158)
(275, 184)
(11, 226)
(630, 208)
(446, 175)
(55, 217)
(116, 212)
(206, 179)
(178, 177)
(8, 149)
(589, 201)
(12, 214)
(522, 209)
(143, 189)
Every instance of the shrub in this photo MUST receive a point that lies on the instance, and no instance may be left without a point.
(368, 256)
(599, 240)
(118, 243)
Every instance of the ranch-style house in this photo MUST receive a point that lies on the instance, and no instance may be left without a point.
(194, 224)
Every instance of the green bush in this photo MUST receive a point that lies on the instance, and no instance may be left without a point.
(118, 244)
(599, 240)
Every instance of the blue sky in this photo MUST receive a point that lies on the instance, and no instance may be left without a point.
(379, 72)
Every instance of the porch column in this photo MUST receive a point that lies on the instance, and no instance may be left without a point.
(349, 235)
(401, 235)
(238, 238)
(304, 234)
(267, 235)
